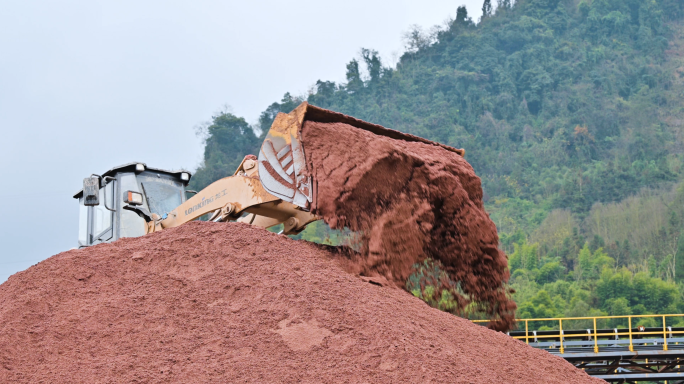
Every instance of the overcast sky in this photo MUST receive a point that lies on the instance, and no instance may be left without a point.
(88, 85)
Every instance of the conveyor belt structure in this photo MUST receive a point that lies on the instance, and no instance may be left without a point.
(627, 353)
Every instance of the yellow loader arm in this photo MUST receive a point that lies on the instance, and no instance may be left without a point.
(273, 188)
(231, 197)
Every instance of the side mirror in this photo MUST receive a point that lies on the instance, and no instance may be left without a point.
(91, 191)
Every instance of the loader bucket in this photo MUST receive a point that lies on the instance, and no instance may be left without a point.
(282, 159)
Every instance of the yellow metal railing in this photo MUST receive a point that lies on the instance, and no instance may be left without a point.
(596, 333)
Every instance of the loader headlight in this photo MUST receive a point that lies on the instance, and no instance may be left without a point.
(139, 167)
(133, 198)
(185, 176)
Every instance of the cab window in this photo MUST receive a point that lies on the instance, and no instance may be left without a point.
(82, 224)
(163, 195)
(101, 217)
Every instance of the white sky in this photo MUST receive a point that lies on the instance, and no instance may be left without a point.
(88, 85)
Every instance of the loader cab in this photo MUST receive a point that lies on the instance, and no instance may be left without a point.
(102, 217)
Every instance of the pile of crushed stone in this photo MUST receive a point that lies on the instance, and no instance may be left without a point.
(410, 201)
(226, 302)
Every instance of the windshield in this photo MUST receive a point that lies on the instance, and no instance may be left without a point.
(162, 198)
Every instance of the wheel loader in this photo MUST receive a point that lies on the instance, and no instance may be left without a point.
(274, 188)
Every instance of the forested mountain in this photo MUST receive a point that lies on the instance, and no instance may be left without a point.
(572, 113)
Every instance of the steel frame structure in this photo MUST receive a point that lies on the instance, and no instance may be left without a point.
(617, 355)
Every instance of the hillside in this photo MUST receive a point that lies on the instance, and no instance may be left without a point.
(570, 111)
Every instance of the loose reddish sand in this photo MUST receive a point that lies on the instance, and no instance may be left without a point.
(230, 303)
(410, 201)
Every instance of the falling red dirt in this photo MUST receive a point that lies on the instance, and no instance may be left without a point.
(410, 201)
(230, 303)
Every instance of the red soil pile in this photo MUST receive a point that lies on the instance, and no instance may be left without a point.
(230, 303)
(410, 201)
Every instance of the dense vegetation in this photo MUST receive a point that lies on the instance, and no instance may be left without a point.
(570, 111)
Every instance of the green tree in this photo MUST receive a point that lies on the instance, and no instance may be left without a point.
(462, 15)
(373, 63)
(354, 82)
(524, 257)
(550, 272)
(228, 139)
(590, 265)
(487, 8)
